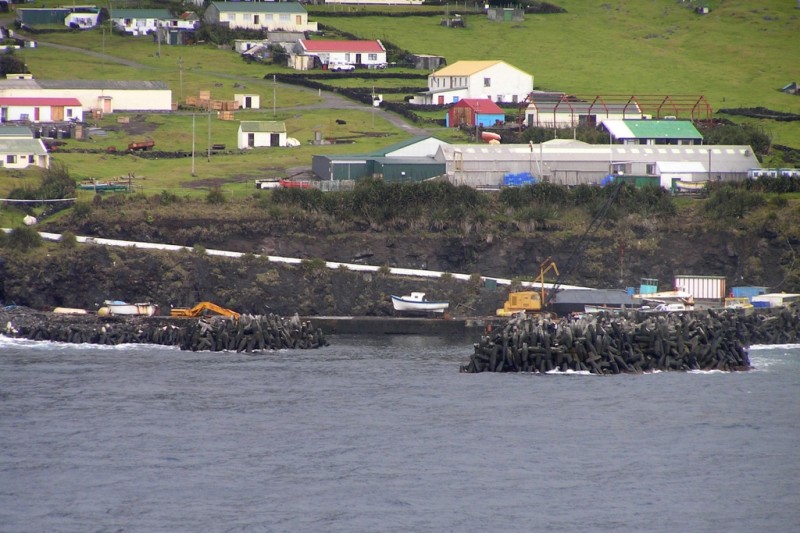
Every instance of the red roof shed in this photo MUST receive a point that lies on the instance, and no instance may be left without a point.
(471, 111)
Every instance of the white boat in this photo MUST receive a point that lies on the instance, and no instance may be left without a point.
(117, 308)
(416, 302)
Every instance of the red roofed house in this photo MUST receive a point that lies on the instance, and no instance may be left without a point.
(472, 111)
(370, 54)
(40, 109)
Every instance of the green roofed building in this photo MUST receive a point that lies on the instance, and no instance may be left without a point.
(270, 16)
(410, 160)
(653, 131)
(139, 21)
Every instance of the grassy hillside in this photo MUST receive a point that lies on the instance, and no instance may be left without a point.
(737, 56)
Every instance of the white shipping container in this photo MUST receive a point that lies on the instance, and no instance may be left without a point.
(702, 287)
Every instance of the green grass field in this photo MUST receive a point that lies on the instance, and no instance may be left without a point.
(737, 56)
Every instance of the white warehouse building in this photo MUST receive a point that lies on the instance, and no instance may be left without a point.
(571, 162)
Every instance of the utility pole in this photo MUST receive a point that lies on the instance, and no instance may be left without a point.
(209, 132)
(180, 77)
(193, 124)
(274, 84)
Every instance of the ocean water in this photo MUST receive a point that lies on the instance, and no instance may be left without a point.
(384, 434)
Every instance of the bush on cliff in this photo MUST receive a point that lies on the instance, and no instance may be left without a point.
(23, 238)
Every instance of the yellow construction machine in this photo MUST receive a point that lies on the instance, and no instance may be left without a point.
(201, 309)
(528, 301)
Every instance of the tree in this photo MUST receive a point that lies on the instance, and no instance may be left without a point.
(11, 64)
(56, 182)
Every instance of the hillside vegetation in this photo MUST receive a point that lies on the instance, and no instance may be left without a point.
(738, 56)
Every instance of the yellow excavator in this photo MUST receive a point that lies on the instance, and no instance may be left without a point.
(201, 309)
(528, 301)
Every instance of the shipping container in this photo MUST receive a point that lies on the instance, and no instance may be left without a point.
(702, 287)
(747, 292)
(775, 299)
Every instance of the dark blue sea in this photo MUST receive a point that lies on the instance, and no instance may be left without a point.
(384, 434)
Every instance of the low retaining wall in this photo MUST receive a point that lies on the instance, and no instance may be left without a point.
(248, 334)
(633, 342)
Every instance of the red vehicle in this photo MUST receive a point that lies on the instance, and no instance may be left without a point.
(289, 184)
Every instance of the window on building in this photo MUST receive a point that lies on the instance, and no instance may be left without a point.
(285, 17)
(618, 168)
(372, 57)
(651, 169)
(69, 113)
(487, 82)
(11, 159)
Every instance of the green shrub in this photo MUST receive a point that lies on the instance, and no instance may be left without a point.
(732, 202)
(68, 240)
(81, 210)
(24, 238)
(215, 196)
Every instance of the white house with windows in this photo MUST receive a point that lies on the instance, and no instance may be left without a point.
(258, 133)
(370, 54)
(270, 16)
(494, 80)
(40, 109)
(19, 149)
(139, 22)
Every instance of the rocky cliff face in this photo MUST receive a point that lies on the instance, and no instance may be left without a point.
(758, 250)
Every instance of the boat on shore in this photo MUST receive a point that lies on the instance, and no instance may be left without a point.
(417, 303)
(120, 308)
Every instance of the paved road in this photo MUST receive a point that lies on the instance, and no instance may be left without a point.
(329, 100)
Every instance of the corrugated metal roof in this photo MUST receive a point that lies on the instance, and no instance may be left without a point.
(262, 126)
(594, 296)
(101, 84)
(34, 101)
(160, 14)
(16, 131)
(481, 105)
(19, 84)
(342, 46)
(670, 167)
(259, 7)
(652, 129)
(22, 146)
(397, 146)
(584, 108)
(467, 68)
(724, 158)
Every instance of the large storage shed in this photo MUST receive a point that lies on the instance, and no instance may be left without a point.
(569, 162)
(410, 160)
(702, 287)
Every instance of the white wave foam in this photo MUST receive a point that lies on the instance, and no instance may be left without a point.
(11, 342)
(775, 347)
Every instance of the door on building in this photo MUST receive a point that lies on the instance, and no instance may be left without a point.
(3, 114)
(441, 99)
(36, 114)
(358, 59)
(57, 113)
(248, 102)
(251, 139)
(274, 139)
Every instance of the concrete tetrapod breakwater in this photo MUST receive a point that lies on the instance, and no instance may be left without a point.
(632, 342)
(249, 333)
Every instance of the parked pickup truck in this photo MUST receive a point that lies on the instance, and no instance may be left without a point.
(341, 67)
